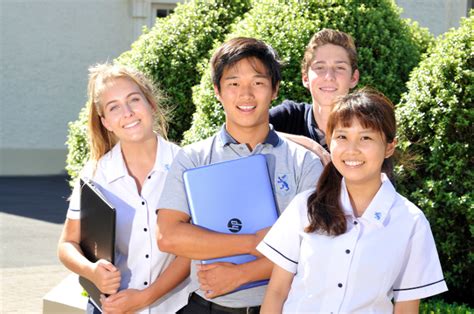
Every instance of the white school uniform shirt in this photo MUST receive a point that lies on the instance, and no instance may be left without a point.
(388, 252)
(136, 250)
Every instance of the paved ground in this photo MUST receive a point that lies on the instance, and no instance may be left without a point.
(32, 211)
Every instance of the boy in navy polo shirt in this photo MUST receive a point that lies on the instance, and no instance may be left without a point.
(328, 70)
(246, 76)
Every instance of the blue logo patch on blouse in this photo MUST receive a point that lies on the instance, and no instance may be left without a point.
(167, 167)
(378, 215)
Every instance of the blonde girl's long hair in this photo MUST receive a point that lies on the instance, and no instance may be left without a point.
(101, 76)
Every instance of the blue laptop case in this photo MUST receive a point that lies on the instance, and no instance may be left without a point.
(233, 196)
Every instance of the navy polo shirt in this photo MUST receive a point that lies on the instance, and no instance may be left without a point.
(297, 118)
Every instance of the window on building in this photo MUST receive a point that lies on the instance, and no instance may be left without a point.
(160, 10)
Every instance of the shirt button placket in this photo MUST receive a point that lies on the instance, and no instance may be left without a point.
(346, 263)
(145, 229)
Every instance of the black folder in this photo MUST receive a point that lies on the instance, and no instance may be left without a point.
(97, 232)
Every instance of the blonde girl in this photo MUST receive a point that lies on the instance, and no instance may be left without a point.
(129, 160)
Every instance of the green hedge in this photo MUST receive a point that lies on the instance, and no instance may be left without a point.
(172, 50)
(436, 119)
(388, 46)
(437, 306)
(77, 144)
(170, 53)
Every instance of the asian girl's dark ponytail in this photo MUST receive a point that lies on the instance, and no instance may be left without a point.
(324, 210)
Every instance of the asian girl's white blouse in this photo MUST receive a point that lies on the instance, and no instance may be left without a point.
(388, 252)
(137, 254)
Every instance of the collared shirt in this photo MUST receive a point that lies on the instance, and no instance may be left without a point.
(292, 169)
(388, 252)
(297, 118)
(136, 252)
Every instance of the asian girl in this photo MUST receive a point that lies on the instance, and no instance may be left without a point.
(353, 244)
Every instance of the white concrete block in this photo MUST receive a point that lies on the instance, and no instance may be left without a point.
(66, 297)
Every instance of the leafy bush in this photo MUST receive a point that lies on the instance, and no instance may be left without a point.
(170, 53)
(172, 50)
(77, 144)
(436, 306)
(388, 47)
(436, 119)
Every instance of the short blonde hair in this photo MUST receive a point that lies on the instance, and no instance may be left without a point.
(102, 140)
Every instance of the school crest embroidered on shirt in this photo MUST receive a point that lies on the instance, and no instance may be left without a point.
(377, 215)
(283, 184)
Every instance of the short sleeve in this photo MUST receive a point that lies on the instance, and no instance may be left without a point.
(310, 172)
(174, 194)
(282, 243)
(74, 209)
(421, 275)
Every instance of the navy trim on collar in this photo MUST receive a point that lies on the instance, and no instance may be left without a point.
(226, 138)
(272, 137)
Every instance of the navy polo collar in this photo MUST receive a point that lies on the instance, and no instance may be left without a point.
(272, 137)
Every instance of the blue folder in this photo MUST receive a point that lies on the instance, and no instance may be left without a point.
(233, 196)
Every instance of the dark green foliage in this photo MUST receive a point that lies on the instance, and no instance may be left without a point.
(388, 47)
(436, 118)
(435, 306)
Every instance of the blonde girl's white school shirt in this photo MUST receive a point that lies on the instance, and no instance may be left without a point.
(137, 254)
(388, 252)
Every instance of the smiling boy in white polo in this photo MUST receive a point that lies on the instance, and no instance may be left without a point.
(246, 76)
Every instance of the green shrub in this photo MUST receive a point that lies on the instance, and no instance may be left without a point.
(78, 148)
(170, 53)
(172, 50)
(436, 306)
(421, 35)
(388, 47)
(436, 119)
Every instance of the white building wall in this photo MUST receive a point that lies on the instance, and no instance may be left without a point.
(46, 47)
(437, 15)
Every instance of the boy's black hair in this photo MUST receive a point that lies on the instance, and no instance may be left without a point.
(240, 48)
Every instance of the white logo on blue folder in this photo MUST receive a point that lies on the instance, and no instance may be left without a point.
(234, 225)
